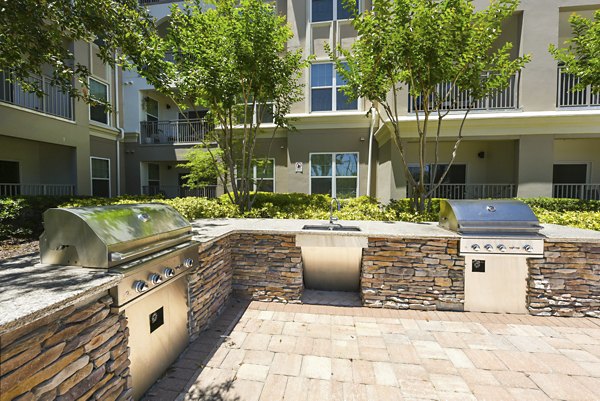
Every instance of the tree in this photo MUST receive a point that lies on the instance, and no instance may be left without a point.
(34, 34)
(443, 51)
(581, 57)
(233, 60)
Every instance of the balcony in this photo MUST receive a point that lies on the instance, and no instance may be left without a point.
(174, 191)
(472, 191)
(566, 97)
(53, 102)
(36, 189)
(576, 191)
(174, 132)
(153, 2)
(460, 100)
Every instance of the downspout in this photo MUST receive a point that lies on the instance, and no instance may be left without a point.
(371, 135)
(121, 135)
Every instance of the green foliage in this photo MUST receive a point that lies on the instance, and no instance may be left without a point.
(22, 217)
(581, 57)
(35, 34)
(204, 167)
(440, 50)
(234, 60)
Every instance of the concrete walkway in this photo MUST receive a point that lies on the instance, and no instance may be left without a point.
(269, 352)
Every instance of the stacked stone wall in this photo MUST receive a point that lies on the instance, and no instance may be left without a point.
(79, 353)
(210, 285)
(566, 282)
(405, 273)
(266, 267)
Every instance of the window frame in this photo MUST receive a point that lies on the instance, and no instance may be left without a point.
(333, 175)
(92, 178)
(255, 178)
(334, 13)
(108, 97)
(334, 87)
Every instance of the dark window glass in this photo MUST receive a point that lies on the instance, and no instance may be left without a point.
(343, 10)
(321, 185)
(569, 174)
(322, 10)
(321, 100)
(99, 92)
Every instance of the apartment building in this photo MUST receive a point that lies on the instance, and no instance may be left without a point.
(536, 138)
(54, 145)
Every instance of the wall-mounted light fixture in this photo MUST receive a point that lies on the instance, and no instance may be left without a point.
(481, 155)
(362, 139)
(168, 106)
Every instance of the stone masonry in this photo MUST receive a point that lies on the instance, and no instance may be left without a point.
(266, 267)
(210, 284)
(566, 282)
(79, 353)
(413, 273)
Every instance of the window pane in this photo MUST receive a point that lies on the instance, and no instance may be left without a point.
(99, 114)
(343, 10)
(345, 187)
(320, 165)
(343, 102)
(346, 164)
(152, 107)
(321, 75)
(266, 186)
(322, 10)
(264, 169)
(321, 100)
(98, 90)
(153, 172)
(321, 186)
(100, 168)
(100, 188)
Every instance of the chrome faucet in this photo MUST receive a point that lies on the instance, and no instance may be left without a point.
(333, 218)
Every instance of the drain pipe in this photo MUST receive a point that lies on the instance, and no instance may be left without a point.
(371, 133)
(121, 135)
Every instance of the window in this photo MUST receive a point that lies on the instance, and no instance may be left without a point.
(335, 174)
(326, 92)
(151, 109)
(99, 92)
(100, 177)
(263, 170)
(9, 178)
(153, 178)
(263, 113)
(330, 10)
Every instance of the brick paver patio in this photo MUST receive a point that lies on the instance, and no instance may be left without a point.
(269, 351)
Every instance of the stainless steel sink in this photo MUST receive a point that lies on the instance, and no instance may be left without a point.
(330, 227)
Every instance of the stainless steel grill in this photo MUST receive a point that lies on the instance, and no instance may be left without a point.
(497, 238)
(150, 244)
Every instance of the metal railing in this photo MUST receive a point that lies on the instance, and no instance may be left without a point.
(458, 99)
(174, 191)
(566, 97)
(472, 191)
(153, 2)
(174, 131)
(576, 191)
(36, 189)
(54, 101)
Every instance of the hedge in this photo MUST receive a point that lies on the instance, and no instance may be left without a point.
(21, 217)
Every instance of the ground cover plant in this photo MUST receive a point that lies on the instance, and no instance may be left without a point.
(21, 217)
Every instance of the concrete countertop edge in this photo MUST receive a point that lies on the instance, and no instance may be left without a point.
(58, 306)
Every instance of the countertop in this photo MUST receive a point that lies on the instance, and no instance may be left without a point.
(30, 290)
(208, 230)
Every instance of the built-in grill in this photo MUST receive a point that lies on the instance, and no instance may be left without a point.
(150, 244)
(497, 238)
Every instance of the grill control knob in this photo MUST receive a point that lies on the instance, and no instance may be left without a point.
(168, 272)
(155, 278)
(188, 262)
(488, 247)
(475, 247)
(528, 248)
(140, 286)
(501, 248)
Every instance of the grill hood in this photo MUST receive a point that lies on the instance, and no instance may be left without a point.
(488, 217)
(106, 236)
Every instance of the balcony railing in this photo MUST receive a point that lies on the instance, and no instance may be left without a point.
(175, 131)
(174, 191)
(36, 189)
(566, 97)
(576, 191)
(472, 191)
(54, 101)
(153, 2)
(457, 99)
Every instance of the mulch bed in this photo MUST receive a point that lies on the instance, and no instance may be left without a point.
(12, 248)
